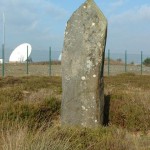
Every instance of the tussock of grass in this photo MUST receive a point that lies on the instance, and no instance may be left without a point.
(46, 110)
(10, 95)
(129, 101)
(29, 99)
(65, 139)
(129, 114)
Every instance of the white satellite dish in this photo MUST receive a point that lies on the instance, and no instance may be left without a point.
(19, 54)
(1, 61)
(59, 57)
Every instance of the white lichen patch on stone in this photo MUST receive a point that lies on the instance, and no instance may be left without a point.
(89, 6)
(67, 77)
(89, 64)
(93, 24)
(102, 35)
(83, 107)
(84, 7)
(83, 78)
(83, 124)
(94, 76)
(95, 121)
(99, 44)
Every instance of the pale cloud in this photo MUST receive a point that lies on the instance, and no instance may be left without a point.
(19, 11)
(144, 12)
(134, 15)
(57, 12)
(130, 29)
(117, 3)
(33, 25)
(33, 21)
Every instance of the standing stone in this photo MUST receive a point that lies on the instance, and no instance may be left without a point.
(82, 67)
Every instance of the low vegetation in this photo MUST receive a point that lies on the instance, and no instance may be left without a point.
(30, 116)
(147, 62)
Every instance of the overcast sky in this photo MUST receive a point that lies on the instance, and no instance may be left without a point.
(42, 23)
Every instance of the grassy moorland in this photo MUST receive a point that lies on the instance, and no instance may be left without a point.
(30, 116)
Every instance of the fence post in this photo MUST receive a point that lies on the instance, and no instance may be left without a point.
(108, 62)
(125, 61)
(49, 61)
(27, 62)
(3, 58)
(141, 62)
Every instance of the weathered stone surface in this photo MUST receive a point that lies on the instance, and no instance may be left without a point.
(82, 67)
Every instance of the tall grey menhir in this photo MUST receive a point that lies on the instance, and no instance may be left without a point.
(82, 67)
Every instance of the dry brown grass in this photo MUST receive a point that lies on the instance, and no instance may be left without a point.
(56, 138)
(30, 116)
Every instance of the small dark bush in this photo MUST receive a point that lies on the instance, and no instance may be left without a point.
(147, 61)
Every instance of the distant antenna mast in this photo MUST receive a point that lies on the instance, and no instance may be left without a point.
(3, 29)
(3, 46)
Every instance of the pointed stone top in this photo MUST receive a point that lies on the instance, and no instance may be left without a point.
(92, 4)
(88, 1)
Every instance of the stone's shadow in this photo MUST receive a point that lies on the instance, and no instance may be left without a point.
(106, 110)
